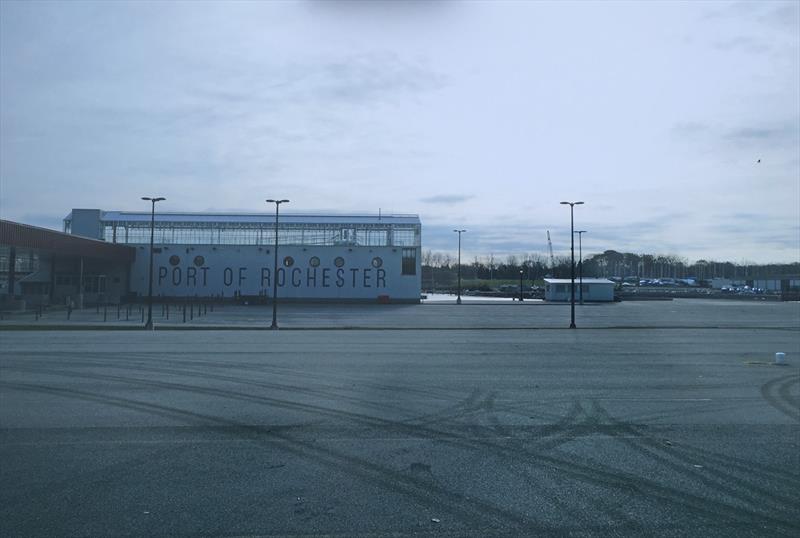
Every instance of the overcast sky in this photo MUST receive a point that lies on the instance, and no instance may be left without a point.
(474, 115)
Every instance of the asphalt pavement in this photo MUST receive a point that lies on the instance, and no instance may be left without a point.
(472, 314)
(594, 432)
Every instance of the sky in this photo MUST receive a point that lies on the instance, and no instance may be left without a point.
(475, 115)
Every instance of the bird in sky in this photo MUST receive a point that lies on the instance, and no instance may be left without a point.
(758, 161)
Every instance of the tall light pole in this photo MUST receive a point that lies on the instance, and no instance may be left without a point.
(459, 232)
(275, 266)
(520, 285)
(149, 324)
(580, 262)
(572, 256)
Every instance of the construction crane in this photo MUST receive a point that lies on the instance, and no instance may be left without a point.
(550, 248)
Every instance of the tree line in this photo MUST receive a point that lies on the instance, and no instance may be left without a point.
(442, 267)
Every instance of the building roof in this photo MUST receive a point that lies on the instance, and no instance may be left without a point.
(19, 235)
(255, 218)
(585, 280)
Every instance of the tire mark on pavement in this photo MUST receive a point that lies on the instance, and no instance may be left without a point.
(423, 491)
(598, 474)
(719, 480)
(777, 394)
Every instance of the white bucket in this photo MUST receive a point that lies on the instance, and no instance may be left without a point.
(780, 358)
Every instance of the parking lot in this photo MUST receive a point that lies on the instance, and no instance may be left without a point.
(438, 429)
(472, 314)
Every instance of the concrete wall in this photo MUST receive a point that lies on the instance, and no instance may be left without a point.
(211, 271)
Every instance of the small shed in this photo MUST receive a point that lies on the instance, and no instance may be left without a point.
(593, 290)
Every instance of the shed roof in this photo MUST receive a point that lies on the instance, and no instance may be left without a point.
(585, 280)
(20, 235)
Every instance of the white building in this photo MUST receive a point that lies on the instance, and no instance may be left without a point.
(320, 257)
(594, 289)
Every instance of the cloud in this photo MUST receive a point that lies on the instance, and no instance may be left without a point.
(348, 79)
(744, 44)
(660, 234)
(773, 233)
(447, 199)
(783, 134)
(369, 77)
(373, 106)
(54, 222)
(785, 16)
(689, 128)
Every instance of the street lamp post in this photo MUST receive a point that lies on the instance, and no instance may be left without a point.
(275, 266)
(572, 259)
(520, 285)
(580, 262)
(459, 232)
(149, 324)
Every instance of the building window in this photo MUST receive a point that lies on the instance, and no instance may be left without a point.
(288, 261)
(409, 261)
(90, 284)
(377, 262)
(404, 237)
(314, 262)
(339, 261)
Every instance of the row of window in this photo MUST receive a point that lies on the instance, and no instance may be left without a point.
(320, 235)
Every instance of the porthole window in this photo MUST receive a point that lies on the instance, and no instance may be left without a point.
(174, 260)
(377, 262)
(288, 261)
(339, 261)
(199, 261)
(314, 262)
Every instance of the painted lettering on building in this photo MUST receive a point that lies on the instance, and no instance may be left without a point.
(287, 277)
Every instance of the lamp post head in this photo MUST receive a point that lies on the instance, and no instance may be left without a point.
(277, 201)
(459, 231)
(154, 200)
(572, 203)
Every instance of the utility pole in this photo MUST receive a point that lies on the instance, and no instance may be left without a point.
(572, 257)
(149, 325)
